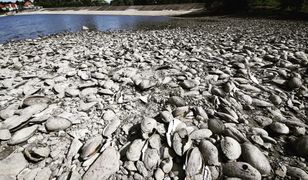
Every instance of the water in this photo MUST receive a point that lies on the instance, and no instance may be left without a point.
(32, 26)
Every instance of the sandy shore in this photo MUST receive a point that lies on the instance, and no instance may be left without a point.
(130, 12)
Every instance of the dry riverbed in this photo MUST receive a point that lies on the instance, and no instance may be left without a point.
(213, 98)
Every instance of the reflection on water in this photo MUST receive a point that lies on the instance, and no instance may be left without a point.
(31, 26)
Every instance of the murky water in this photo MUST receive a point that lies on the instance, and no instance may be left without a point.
(31, 26)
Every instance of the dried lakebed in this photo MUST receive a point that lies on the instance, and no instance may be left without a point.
(213, 99)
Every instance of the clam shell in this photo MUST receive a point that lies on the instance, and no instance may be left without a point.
(159, 174)
(216, 126)
(244, 98)
(166, 165)
(36, 153)
(151, 159)
(109, 115)
(177, 101)
(146, 84)
(241, 170)
(235, 133)
(297, 173)
(32, 100)
(294, 83)
(201, 112)
(141, 168)
(91, 147)
(111, 127)
(275, 99)
(173, 126)
(230, 148)
(200, 134)
(57, 123)
(22, 135)
(252, 155)
(226, 117)
(193, 164)
(209, 153)
(155, 141)
(181, 142)
(279, 128)
(107, 164)
(263, 121)
(188, 84)
(166, 116)
(5, 134)
(261, 103)
(133, 152)
(148, 124)
(33, 109)
(229, 86)
(180, 111)
(214, 172)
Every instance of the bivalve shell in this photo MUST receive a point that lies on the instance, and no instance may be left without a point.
(261, 103)
(200, 134)
(32, 100)
(166, 116)
(177, 101)
(107, 164)
(216, 126)
(230, 148)
(91, 147)
(252, 155)
(111, 127)
(297, 173)
(188, 84)
(181, 142)
(166, 165)
(294, 83)
(193, 164)
(134, 151)
(241, 170)
(22, 135)
(57, 123)
(148, 125)
(209, 152)
(279, 128)
(151, 159)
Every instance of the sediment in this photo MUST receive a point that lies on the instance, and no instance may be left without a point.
(207, 98)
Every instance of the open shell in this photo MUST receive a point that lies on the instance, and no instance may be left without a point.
(181, 142)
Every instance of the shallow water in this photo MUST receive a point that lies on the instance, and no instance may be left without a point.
(31, 26)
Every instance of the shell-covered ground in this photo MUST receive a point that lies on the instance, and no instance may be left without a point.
(207, 98)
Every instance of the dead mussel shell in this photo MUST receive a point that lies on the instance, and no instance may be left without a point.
(230, 148)
(241, 170)
(181, 142)
(194, 163)
(31, 100)
(148, 125)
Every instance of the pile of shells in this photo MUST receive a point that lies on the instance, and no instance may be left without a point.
(217, 98)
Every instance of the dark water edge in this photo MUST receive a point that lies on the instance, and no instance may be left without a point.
(257, 13)
(22, 27)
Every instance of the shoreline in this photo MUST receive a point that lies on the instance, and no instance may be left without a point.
(130, 12)
(140, 10)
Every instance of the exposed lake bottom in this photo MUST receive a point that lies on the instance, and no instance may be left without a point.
(206, 98)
